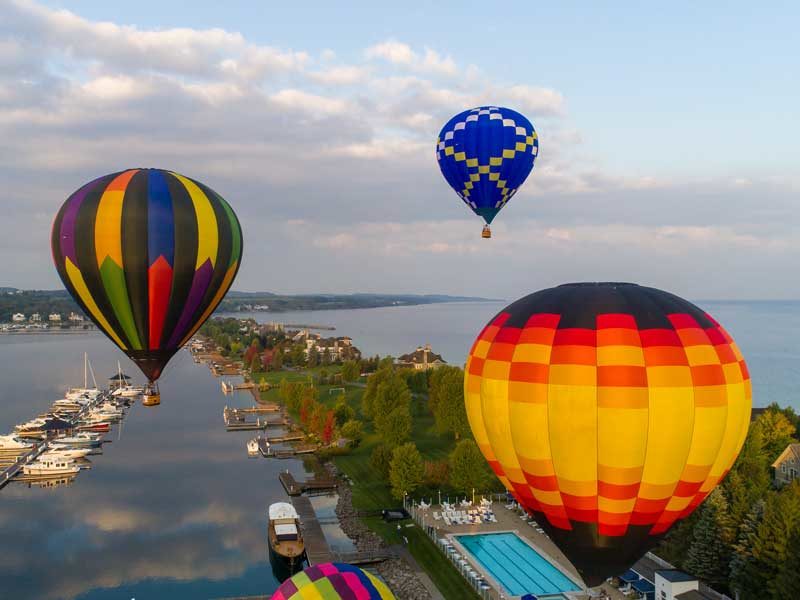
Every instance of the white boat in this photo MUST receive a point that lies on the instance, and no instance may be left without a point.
(252, 447)
(51, 466)
(85, 391)
(10, 443)
(79, 440)
(67, 453)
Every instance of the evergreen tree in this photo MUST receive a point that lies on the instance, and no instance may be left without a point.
(743, 552)
(350, 371)
(392, 410)
(770, 544)
(709, 555)
(787, 583)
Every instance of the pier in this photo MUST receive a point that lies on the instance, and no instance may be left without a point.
(236, 418)
(16, 467)
(256, 425)
(317, 549)
(296, 488)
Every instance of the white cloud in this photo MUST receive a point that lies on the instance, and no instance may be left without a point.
(340, 75)
(392, 51)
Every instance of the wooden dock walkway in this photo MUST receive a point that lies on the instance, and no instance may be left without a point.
(317, 549)
(256, 425)
(16, 468)
(296, 488)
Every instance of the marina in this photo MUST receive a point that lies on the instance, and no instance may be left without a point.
(55, 444)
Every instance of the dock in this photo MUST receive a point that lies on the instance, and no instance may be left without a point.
(296, 488)
(16, 467)
(317, 549)
(236, 419)
(256, 425)
(229, 387)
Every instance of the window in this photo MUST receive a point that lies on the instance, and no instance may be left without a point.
(663, 595)
(792, 473)
(783, 468)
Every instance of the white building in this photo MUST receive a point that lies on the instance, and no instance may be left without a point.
(18, 318)
(36, 318)
(75, 318)
(54, 318)
(677, 585)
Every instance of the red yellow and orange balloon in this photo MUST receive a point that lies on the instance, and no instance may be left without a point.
(609, 410)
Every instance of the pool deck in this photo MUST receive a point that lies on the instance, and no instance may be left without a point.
(509, 520)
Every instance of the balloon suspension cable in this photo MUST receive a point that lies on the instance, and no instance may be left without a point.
(486, 233)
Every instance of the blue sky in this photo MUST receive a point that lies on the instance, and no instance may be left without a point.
(667, 136)
(705, 88)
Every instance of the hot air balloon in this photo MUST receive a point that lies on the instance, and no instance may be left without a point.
(486, 154)
(148, 254)
(610, 411)
(333, 581)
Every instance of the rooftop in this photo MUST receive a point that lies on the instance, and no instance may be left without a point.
(792, 450)
(675, 576)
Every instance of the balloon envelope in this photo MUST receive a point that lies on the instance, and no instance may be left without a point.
(148, 255)
(485, 154)
(610, 411)
(333, 581)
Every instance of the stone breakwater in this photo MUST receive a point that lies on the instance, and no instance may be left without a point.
(396, 572)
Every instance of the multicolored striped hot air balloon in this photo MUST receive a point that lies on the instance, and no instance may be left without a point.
(610, 411)
(333, 581)
(148, 254)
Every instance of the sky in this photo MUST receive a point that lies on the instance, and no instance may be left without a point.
(667, 134)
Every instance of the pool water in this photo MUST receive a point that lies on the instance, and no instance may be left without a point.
(515, 564)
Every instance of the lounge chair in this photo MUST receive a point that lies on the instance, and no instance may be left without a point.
(437, 516)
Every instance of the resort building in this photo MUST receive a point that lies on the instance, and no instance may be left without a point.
(18, 318)
(422, 359)
(787, 467)
(75, 318)
(655, 579)
(36, 318)
(54, 318)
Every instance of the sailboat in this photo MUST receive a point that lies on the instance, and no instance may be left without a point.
(85, 391)
(121, 386)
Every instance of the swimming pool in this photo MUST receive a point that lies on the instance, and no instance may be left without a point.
(516, 565)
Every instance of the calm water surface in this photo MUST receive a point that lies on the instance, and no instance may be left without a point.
(175, 509)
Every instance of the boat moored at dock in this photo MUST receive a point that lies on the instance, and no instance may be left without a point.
(285, 540)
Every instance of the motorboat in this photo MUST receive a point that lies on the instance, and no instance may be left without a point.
(252, 448)
(98, 426)
(285, 540)
(45, 426)
(11, 444)
(67, 453)
(83, 439)
(54, 465)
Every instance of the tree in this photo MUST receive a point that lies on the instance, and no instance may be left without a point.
(778, 432)
(380, 458)
(343, 411)
(468, 468)
(770, 544)
(394, 427)
(312, 359)
(787, 583)
(743, 551)
(277, 358)
(436, 473)
(354, 431)
(327, 428)
(350, 371)
(447, 401)
(710, 553)
(391, 393)
(373, 382)
(406, 470)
